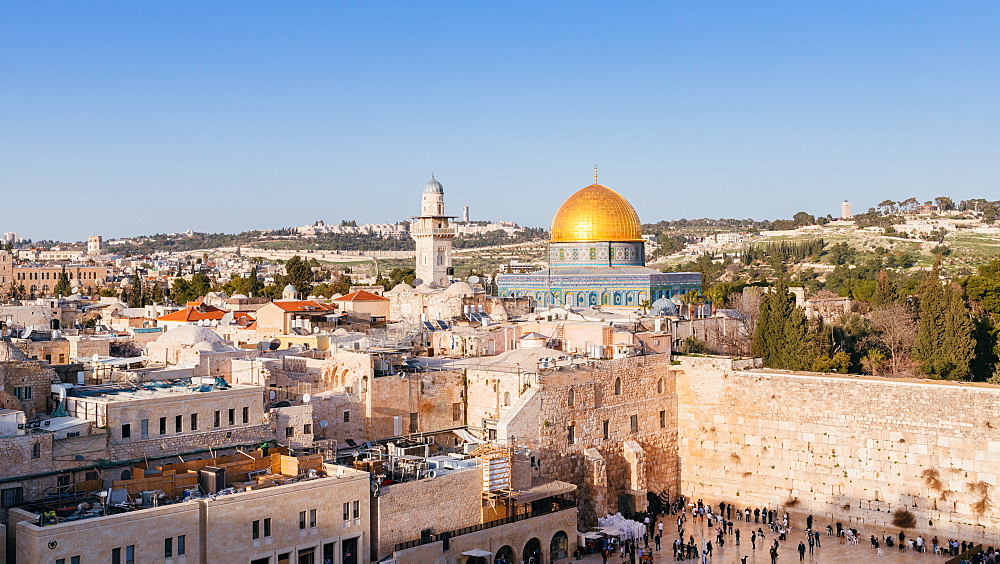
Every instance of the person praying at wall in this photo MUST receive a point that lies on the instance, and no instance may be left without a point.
(748, 514)
(756, 515)
(737, 537)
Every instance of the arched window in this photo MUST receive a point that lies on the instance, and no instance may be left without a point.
(559, 547)
(659, 386)
(618, 386)
(506, 398)
(570, 397)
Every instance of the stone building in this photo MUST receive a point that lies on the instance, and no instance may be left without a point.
(282, 509)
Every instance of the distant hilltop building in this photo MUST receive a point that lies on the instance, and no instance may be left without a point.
(465, 214)
(845, 210)
(94, 246)
(10, 237)
(386, 230)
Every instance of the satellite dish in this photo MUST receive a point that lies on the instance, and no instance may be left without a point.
(272, 395)
(306, 398)
(275, 343)
(473, 280)
(227, 319)
(26, 333)
(324, 424)
(96, 358)
(417, 282)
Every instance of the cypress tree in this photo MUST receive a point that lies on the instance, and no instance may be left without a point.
(62, 287)
(945, 345)
(135, 297)
(781, 334)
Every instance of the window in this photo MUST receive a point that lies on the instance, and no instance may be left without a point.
(456, 411)
(356, 509)
(168, 547)
(618, 386)
(144, 428)
(129, 554)
(63, 483)
(178, 424)
(302, 520)
(36, 450)
(289, 431)
(232, 416)
(116, 556)
(506, 398)
(347, 511)
(246, 415)
(22, 393)
(181, 545)
(663, 419)
(218, 419)
(634, 421)
(571, 434)
(267, 527)
(255, 527)
(126, 430)
(570, 397)
(163, 425)
(605, 427)
(194, 421)
(74, 560)
(10, 497)
(307, 429)
(659, 385)
(413, 422)
(347, 417)
(90, 476)
(312, 518)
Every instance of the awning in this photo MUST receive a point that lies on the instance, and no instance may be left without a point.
(542, 490)
(611, 531)
(477, 553)
(468, 437)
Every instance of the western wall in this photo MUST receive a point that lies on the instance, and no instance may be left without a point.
(854, 449)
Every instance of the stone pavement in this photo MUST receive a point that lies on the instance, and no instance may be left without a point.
(831, 551)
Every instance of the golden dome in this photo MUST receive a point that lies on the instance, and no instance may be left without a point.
(596, 213)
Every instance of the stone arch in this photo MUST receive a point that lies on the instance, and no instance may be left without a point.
(659, 386)
(605, 298)
(618, 386)
(559, 546)
(532, 551)
(506, 399)
(505, 555)
(618, 298)
(593, 298)
(570, 397)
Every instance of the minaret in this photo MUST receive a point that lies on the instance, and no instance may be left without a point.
(433, 234)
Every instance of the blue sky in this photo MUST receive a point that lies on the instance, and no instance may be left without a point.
(126, 118)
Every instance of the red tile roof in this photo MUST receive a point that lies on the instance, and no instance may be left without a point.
(361, 296)
(193, 314)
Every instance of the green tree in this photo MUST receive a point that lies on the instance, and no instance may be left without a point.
(944, 344)
(135, 297)
(62, 287)
(781, 333)
(298, 273)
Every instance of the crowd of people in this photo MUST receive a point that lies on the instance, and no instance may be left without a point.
(720, 522)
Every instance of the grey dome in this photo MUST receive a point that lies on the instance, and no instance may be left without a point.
(189, 335)
(663, 306)
(290, 288)
(433, 186)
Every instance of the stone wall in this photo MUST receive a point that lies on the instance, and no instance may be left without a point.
(407, 508)
(851, 448)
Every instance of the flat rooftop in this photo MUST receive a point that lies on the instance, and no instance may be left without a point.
(161, 389)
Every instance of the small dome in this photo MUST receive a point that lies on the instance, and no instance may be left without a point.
(8, 352)
(424, 289)
(289, 288)
(461, 288)
(189, 335)
(401, 287)
(433, 186)
(596, 213)
(663, 306)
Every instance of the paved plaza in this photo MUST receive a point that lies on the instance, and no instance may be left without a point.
(831, 551)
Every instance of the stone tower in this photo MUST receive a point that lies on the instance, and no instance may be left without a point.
(845, 210)
(94, 246)
(433, 233)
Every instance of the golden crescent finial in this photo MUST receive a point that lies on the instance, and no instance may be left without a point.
(595, 174)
